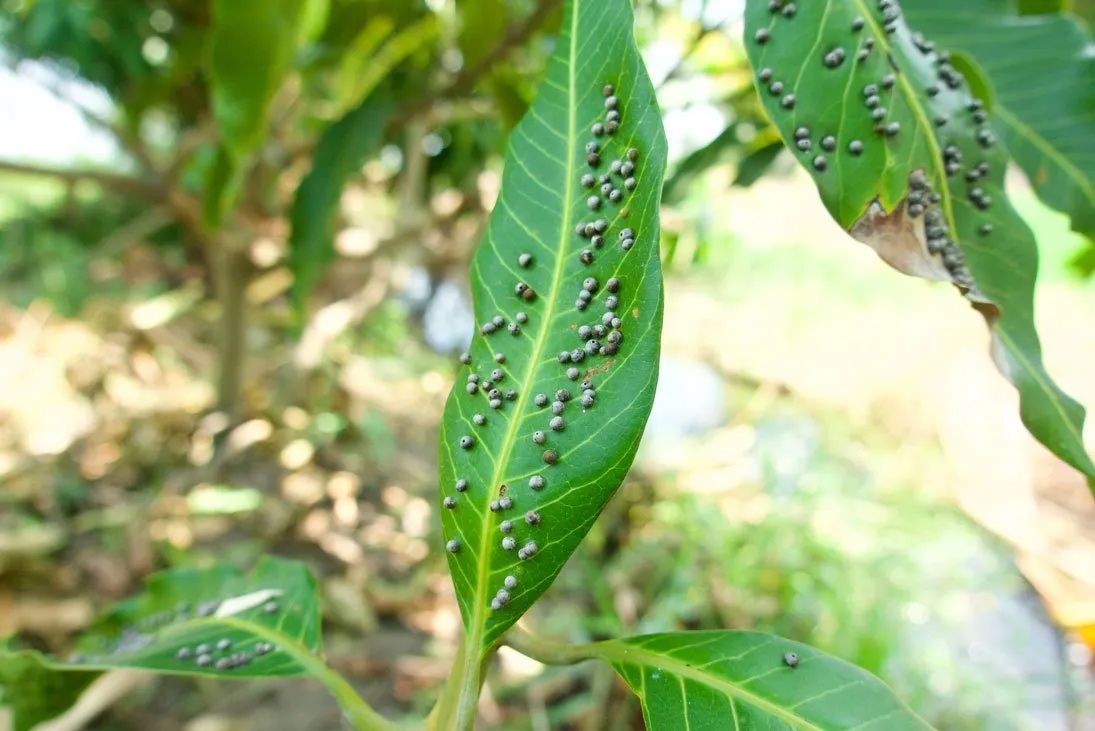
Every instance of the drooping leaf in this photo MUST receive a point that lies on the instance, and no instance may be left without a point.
(31, 692)
(542, 204)
(922, 184)
(215, 622)
(375, 52)
(269, 619)
(1043, 71)
(251, 49)
(341, 152)
(754, 165)
(699, 160)
(750, 680)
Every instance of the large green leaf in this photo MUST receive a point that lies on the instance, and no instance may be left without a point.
(1043, 73)
(215, 622)
(750, 680)
(32, 692)
(252, 47)
(269, 618)
(542, 202)
(341, 152)
(897, 194)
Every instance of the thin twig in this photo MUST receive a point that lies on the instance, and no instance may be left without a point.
(114, 181)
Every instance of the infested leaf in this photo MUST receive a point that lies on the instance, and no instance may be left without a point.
(519, 490)
(905, 158)
(1043, 72)
(750, 680)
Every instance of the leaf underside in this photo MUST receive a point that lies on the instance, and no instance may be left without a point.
(1043, 74)
(214, 622)
(745, 680)
(542, 202)
(925, 189)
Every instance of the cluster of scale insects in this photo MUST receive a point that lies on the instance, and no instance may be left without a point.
(218, 655)
(600, 338)
(922, 201)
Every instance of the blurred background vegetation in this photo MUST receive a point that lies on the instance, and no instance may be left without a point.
(198, 362)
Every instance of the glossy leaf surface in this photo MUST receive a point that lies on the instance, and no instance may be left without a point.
(906, 160)
(542, 203)
(745, 680)
(1043, 73)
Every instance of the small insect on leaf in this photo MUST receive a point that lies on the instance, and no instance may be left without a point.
(910, 165)
(534, 478)
(750, 680)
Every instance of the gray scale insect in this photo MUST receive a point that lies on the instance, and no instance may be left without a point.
(461, 485)
(536, 482)
(509, 543)
(510, 582)
(453, 545)
(558, 407)
(449, 502)
(505, 503)
(557, 423)
(539, 437)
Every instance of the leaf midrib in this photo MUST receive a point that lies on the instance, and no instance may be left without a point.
(483, 555)
(1004, 115)
(922, 121)
(309, 660)
(936, 157)
(622, 652)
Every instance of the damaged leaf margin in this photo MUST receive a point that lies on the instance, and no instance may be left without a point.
(906, 160)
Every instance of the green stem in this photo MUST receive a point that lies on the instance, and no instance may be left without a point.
(549, 652)
(455, 709)
(360, 715)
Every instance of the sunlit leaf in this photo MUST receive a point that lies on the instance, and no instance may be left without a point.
(748, 680)
(542, 203)
(1043, 71)
(906, 160)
